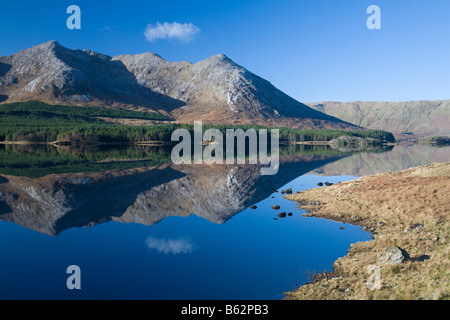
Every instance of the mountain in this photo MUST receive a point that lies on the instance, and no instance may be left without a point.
(215, 90)
(419, 118)
(51, 73)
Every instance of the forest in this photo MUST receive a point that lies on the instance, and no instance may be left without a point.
(35, 121)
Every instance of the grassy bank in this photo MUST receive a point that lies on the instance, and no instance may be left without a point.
(407, 209)
(39, 122)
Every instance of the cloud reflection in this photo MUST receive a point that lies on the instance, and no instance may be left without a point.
(170, 246)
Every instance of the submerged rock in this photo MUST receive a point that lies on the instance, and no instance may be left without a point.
(275, 207)
(289, 191)
(282, 214)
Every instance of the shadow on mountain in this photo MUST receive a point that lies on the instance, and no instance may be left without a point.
(4, 208)
(111, 81)
(3, 179)
(4, 68)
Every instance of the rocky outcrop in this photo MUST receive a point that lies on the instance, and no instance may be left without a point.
(392, 255)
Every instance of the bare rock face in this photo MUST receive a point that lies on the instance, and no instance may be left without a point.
(216, 81)
(215, 90)
(39, 69)
(218, 90)
(52, 73)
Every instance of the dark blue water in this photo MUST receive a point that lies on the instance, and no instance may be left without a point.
(251, 256)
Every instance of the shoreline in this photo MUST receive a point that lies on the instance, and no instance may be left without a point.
(61, 143)
(408, 209)
(64, 143)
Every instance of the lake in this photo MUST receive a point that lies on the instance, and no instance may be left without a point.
(140, 227)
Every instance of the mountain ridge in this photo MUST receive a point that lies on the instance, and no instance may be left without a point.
(419, 118)
(214, 90)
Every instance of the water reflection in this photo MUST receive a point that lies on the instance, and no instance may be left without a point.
(401, 157)
(53, 203)
(243, 254)
(170, 246)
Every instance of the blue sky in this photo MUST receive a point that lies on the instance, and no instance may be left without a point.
(313, 50)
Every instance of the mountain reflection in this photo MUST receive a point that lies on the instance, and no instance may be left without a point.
(53, 203)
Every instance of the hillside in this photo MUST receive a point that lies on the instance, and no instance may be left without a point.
(406, 209)
(215, 90)
(419, 118)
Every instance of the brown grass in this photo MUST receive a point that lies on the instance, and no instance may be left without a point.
(132, 122)
(394, 207)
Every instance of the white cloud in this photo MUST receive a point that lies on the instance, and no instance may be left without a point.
(170, 246)
(183, 32)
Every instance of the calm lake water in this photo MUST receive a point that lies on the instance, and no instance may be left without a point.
(140, 227)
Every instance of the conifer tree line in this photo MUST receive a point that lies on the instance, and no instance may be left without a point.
(39, 122)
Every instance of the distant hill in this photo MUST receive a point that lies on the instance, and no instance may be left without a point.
(420, 118)
(215, 90)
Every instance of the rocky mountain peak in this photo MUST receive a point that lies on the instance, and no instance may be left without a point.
(219, 58)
